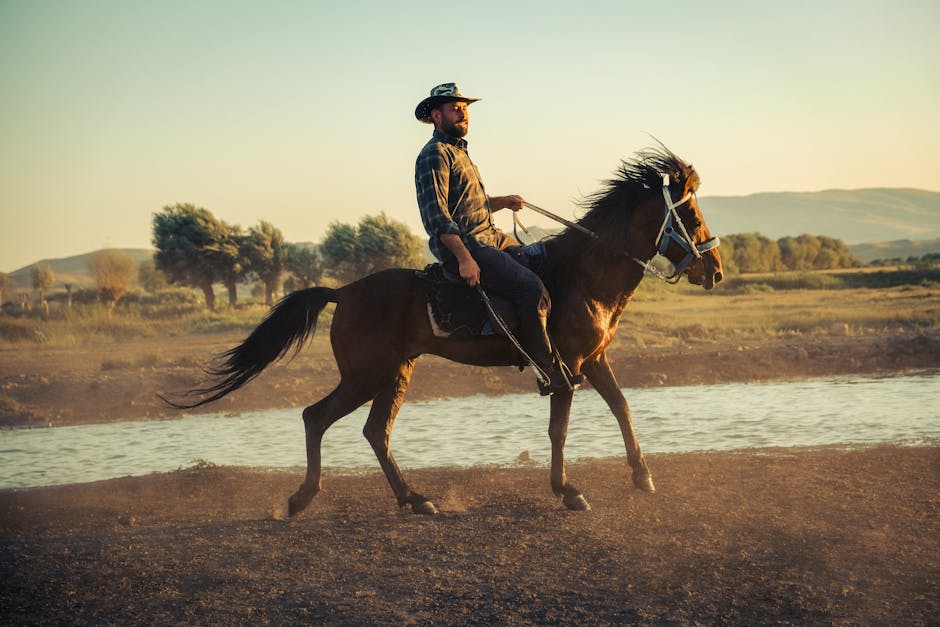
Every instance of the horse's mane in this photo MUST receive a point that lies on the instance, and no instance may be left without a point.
(608, 210)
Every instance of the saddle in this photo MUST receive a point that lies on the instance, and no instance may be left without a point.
(456, 310)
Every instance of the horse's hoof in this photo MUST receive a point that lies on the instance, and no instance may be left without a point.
(575, 501)
(644, 481)
(294, 506)
(298, 501)
(425, 507)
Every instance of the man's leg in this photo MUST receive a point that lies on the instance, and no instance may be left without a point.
(502, 275)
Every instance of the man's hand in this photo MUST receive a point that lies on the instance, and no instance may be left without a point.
(470, 271)
(513, 201)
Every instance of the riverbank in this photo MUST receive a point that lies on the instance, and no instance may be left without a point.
(763, 536)
(90, 384)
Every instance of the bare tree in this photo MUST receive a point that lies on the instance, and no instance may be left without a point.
(42, 279)
(68, 295)
(113, 271)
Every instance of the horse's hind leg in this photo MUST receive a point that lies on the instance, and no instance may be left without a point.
(317, 419)
(378, 431)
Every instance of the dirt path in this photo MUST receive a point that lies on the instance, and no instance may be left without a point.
(771, 536)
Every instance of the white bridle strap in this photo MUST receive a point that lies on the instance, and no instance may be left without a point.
(671, 213)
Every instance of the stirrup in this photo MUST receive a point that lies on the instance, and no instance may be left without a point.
(574, 380)
(561, 380)
(553, 387)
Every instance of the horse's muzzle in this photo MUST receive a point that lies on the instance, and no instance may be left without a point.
(705, 271)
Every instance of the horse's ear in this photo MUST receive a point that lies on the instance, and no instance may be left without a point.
(692, 180)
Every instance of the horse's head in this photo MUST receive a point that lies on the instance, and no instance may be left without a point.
(685, 239)
(669, 222)
(650, 209)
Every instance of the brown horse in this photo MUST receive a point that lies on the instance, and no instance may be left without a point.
(381, 326)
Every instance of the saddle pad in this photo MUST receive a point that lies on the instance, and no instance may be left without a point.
(456, 310)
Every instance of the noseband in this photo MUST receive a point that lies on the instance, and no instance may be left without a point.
(667, 233)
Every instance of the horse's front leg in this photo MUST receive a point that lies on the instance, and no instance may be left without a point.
(602, 378)
(378, 431)
(558, 433)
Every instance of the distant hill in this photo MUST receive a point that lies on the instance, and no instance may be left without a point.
(881, 223)
(74, 269)
(854, 216)
(898, 249)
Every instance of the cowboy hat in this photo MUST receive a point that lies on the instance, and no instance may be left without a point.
(446, 92)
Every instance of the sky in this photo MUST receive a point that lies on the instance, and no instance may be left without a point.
(302, 113)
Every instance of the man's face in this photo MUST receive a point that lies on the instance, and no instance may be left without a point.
(452, 118)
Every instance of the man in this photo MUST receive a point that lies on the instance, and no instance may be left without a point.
(458, 216)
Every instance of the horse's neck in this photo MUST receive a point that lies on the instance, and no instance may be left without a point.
(602, 275)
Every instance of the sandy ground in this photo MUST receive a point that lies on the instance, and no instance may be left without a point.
(764, 536)
(83, 384)
(792, 536)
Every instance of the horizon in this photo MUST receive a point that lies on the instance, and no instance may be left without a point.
(550, 225)
(913, 238)
(281, 113)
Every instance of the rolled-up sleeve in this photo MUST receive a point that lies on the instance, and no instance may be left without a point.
(432, 180)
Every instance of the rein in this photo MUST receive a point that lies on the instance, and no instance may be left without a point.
(667, 233)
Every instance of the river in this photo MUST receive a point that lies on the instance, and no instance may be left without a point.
(493, 430)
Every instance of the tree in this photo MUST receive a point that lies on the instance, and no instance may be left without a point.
(304, 262)
(42, 278)
(266, 255)
(113, 272)
(6, 285)
(728, 263)
(833, 253)
(376, 244)
(227, 255)
(340, 250)
(189, 242)
(388, 243)
(807, 247)
(151, 279)
(752, 252)
(791, 253)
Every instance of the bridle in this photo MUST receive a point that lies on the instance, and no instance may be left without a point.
(668, 232)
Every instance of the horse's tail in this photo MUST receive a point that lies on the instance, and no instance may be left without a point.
(288, 325)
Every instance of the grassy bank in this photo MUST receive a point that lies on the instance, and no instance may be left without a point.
(757, 306)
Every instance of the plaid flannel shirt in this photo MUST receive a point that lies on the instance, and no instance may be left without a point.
(451, 197)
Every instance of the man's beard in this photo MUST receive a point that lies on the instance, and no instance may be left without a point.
(454, 130)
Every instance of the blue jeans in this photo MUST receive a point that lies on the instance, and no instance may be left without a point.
(503, 275)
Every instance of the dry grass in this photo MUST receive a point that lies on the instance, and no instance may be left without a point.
(694, 315)
(751, 308)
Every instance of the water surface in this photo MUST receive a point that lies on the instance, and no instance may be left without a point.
(493, 430)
